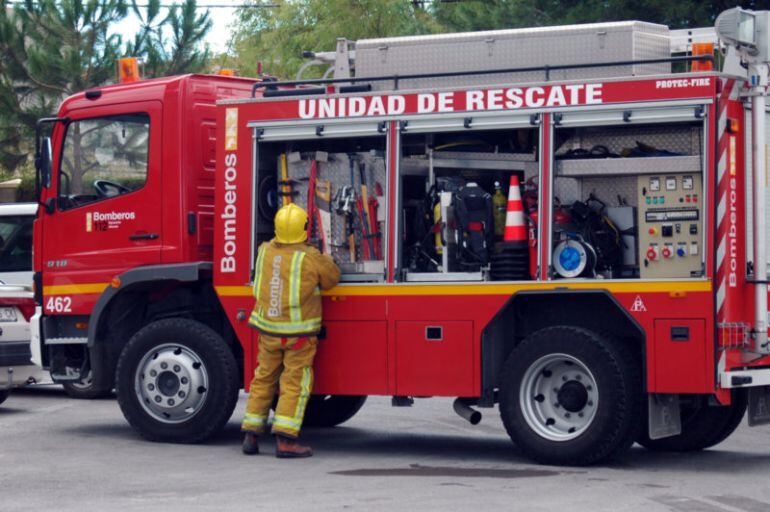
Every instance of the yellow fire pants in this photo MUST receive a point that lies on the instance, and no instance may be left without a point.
(289, 360)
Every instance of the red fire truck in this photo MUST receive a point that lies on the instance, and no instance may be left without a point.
(636, 311)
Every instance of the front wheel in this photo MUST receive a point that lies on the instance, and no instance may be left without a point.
(331, 410)
(177, 381)
(570, 397)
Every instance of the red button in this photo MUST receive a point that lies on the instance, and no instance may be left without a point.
(652, 231)
(666, 252)
(651, 254)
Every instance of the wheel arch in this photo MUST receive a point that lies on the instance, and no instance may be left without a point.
(149, 293)
(528, 311)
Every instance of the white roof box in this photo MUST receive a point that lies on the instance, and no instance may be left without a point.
(516, 48)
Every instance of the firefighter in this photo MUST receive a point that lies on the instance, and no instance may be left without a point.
(289, 275)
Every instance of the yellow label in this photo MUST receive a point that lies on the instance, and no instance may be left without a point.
(89, 222)
(733, 168)
(231, 129)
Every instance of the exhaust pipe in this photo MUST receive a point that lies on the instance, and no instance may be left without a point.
(462, 406)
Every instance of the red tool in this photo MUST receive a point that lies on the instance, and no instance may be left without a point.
(367, 247)
(313, 213)
(311, 198)
(375, 227)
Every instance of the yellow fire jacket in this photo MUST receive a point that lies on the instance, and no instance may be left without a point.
(288, 280)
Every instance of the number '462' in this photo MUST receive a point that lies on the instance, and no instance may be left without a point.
(59, 304)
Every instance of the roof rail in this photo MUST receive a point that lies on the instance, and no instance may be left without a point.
(397, 78)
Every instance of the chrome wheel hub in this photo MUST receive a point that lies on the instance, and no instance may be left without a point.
(558, 397)
(171, 383)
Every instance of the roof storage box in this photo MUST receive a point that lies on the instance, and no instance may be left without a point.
(516, 48)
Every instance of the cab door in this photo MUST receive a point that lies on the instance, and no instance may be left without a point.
(104, 212)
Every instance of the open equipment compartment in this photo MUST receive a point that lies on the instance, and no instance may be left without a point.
(339, 179)
(628, 195)
(454, 176)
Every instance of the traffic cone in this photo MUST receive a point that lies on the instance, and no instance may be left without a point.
(515, 234)
(511, 261)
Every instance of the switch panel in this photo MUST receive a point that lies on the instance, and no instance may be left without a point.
(669, 218)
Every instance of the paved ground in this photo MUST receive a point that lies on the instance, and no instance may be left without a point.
(62, 454)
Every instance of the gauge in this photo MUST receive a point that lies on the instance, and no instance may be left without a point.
(687, 182)
(654, 184)
(670, 182)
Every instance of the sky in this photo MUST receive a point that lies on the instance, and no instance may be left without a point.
(222, 17)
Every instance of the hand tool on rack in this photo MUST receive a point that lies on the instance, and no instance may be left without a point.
(353, 159)
(323, 196)
(311, 198)
(375, 231)
(287, 192)
(366, 221)
(314, 215)
(367, 248)
(344, 202)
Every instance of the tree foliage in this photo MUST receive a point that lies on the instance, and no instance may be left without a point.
(278, 36)
(496, 14)
(276, 32)
(50, 49)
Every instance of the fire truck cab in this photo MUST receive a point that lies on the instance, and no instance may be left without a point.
(565, 221)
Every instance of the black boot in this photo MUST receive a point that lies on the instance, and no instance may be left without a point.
(250, 445)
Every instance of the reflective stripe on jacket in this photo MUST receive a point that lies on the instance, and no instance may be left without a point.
(287, 283)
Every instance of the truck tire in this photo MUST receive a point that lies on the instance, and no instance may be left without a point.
(177, 381)
(4, 393)
(569, 396)
(331, 410)
(85, 390)
(703, 426)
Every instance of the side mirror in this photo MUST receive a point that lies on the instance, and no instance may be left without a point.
(43, 162)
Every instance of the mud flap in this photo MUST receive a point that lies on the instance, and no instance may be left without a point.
(759, 406)
(663, 415)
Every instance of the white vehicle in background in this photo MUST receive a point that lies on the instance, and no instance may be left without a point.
(16, 243)
(16, 295)
(16, 300)
(17, 306)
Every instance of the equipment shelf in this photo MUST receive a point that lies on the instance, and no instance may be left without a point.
(418, 165)
(580, 168)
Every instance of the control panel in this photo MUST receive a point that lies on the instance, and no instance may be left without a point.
(669, 218)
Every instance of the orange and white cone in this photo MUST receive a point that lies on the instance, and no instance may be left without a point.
(515, 234)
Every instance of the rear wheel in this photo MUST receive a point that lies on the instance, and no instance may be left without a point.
(331, 410)
(4, 395)
(177, 381)
(703, 425)
(571, 397)
(85, 389)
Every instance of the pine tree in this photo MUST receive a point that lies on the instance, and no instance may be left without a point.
(50, 49)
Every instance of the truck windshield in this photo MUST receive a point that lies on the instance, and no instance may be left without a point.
(16, 243)
(103, 158)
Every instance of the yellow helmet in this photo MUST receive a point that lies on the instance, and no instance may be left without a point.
(291, 224)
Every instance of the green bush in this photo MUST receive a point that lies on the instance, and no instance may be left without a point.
(26, 191)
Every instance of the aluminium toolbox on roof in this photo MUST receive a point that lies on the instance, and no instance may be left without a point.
(516, 48)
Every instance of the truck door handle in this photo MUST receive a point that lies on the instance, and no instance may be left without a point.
(144, 236)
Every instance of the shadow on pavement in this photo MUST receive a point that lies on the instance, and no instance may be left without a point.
(381, 445)
(6, 410)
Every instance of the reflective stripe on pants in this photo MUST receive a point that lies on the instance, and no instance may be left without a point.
(289, 364)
